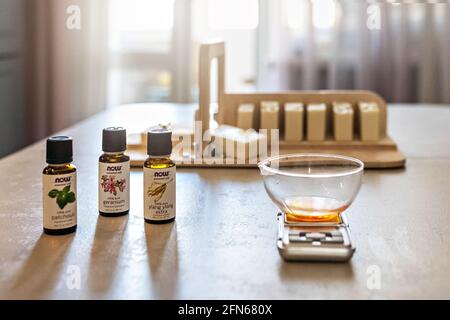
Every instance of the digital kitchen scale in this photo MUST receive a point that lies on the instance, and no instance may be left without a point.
(314, 241)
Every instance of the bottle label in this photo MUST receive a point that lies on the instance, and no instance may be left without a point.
(60, 200)
(159, 193)
(114, 187)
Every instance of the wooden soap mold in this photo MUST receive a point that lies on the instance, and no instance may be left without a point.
(377, 154)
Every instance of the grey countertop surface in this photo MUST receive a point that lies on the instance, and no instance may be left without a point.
(222, 244)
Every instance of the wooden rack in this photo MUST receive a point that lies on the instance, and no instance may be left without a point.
(377, 154)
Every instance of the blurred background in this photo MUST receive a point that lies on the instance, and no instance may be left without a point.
(56, 70)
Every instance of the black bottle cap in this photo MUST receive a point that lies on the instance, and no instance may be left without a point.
(114, 139)
(59, 150)
(159, 142)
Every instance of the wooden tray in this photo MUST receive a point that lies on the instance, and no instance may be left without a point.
(379, 154)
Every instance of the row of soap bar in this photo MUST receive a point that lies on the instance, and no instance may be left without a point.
(316, 120)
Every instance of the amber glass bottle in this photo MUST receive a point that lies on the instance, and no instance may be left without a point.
(114, 174)
(159, 179)
(59, 182)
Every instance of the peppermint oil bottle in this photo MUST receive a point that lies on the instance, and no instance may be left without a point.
(59, 186)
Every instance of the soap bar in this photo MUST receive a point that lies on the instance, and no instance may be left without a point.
(343, 121)
(369, 121)
(245, 116)
(235, 143)
(293, 121)
(316, 121)
(245, 145)
(219, 136)
(269, 115)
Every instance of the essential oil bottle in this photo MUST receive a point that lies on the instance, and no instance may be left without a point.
(159, 178)
(114, 174)
(59, 182)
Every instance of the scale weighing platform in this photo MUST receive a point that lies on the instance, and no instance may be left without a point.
(314, 241)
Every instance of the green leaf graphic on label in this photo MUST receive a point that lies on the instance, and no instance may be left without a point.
(61, 200)
(70, 197)
(63, 197)
(53, 193)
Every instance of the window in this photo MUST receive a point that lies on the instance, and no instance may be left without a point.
(144, 52)
(324, 13)
(141, 25)
(236, 22)
(232, 14)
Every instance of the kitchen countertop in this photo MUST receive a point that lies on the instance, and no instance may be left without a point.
(222, 244)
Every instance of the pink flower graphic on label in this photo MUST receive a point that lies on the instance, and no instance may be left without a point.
(110, 184)
(122, 185)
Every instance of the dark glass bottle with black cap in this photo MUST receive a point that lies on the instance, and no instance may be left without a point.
(114, 174)
(59, 182)
(159, 178)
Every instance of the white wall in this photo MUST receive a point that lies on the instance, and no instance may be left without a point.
(12, 111)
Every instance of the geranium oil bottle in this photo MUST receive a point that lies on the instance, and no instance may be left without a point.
(114, 174)
(59, 182)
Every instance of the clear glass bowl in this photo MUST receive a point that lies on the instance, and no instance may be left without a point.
(312, 187)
